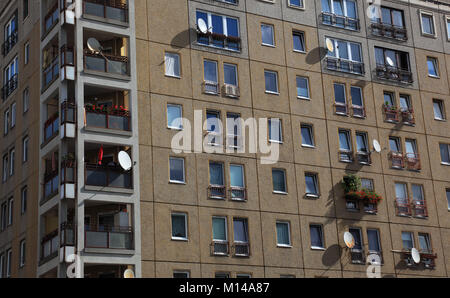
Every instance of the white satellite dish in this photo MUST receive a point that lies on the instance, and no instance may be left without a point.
(415, 255)
(124, 160)
(202, 26)
(389, 61)
(330, 45)
(94, 46)
(349, 240)
(376, 146)
(128, 273)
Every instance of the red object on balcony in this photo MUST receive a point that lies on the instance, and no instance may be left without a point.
(100, 155)
(412, 161)
(397, 160)
(403, 206)
(391, 113)
(341, 108)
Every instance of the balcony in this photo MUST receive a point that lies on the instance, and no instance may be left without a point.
(68, 177)
(115, 10)
(419, 208)
(50, 73)
(238, 193)
(403, 206)
(10, 86)
(218, 40)
(49, 246)
(392, 73)
(339, 21)
(388, 31)
(107, 176)
(217, 192)
(363, 158)
(396, 160)
(51, 19)
(342, 65)
(210, 88)
(9, 43)
(51, 128)
(51, 182)
(241, 249)
(391, 113)
(408, 116)
(358, 111)
(68, 234)
(345, 156)
(412, 161)
(67, 63)
(120, 237)
(340, 108)
(219, 248)
(427, 259)
(113, 117)
(106, 63)
(68, 119)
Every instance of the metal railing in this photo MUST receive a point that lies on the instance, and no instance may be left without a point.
(419, 208)
(238, 193)
(345, 155)
(388, 30)
(68, 171)
(412, 161)
(10, 86)
(241, 249)
(340, 108)
(357, 255)
(111, 119)
(403, 206)
(108, 237)
(10, 42)
(393, 73)
(343, 65)
(49, 246)
(51, 19)
(67, 56)
(408, 116)
(358, 111)
(391, 113)
(363, 157)
(68, 234)
(51, 127)
(107, 176)
(51, 182)
(50, 73)
(219, 40)
(335, 20)
(397, 159)
(210, 87)
(106, 63)
(108, 9)
(217, 192)
(219, 248)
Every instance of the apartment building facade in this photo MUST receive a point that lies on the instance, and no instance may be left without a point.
(104, 78)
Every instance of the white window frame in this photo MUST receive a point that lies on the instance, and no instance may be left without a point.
(277, 92)
(273, 35)
(7, 73)
(435, 65)
(25, 142)
(178, 58)
(378, 239)
(167, 116)
(226, 229)
(184, 171)
(185, 226)
(270, 122)
(301, 6)
(235, 73)
(311, 134)
(302, 36)
(307, 87)
(440, 104)
(448, 150)
(321, 235)
(344, 7)
(13, 114)
(433, 23)
(315, 177)
(285, 182)
(22, 253)
(349, 49)
(289, 233)
(26, 54)
(26, 99)
(225, 27)
(12, 161)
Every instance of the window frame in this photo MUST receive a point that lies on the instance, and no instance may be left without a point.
(302, 6)
(277, 92)
(315, 178)
(322, 237)
(288, 224)
(311, 135)
(301, 34)
(273, 45)
(226, 229)
(423, 13)
(22, 253)
(448, 153)
(178, 58)
(435, 63)
(167, 116)
(284, 180)
(23, 199)
(184, 171)
(308, 97)
(441, 106)
(280, 130)
(186, 230)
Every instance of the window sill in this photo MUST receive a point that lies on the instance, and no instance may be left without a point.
(284, 246)
(268, 45)
(177, 182)
(272, 92)
(219, 48)
(445, 164)
(173, 77)
(180, 239)
(318, 248)
(429, 35)
(279, 192)
(441, 120)
(275, 141)
(299, 51)
(296, 7)
(175, 128)
(304, 98)
(312, 196)
(309, 146)
(434, 77)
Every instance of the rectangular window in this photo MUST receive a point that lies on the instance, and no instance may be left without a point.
(296, 3)
(279, 181)
(389, 99)
(179, 226)
(367, 184)
(425, 243)
(411, 148)
(10, 72)
(311, 183)
(4, 215)
(223, 31)
(271, 81)
(346, 57)
(340, 99)
(445, 153)
(362, 145)
(240, 227)
(299, 41)
(390, 16)
(389, 59)
(357, 102)
(341, 9)
(275, 130)
(2, 264)
(433, 68)
(302, 87)
(22, 253)
(26, 100)
(6, 122)
(394, 145)
(405, 103)
(180, 274)
(26, 53)
(13, 115)
(12, 161)
(24, 198)
(230, 74)
(307, 135)
(214, 128)
(5, 168)
(234, 130)
(176, 170)
(438, 108)
(25, 142)
(10, 211)
(401, 197)
(219, 228)
(316, 235)
(172, 65)
(210, 71)
(8, 263)
(237, 176)
(447, 192)
(345, 146)
(356, 233)
(373, 236)
(216, 174)
(283, 233)
(408, 240)
(174, 116)
(417, 194)
(222, 275)
(267, 35)
(25, 8)
(427, 23)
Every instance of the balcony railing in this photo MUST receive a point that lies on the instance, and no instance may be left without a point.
(210, 87)
(219, 248)
(345, 156)
(363, 157)
(241, 249)
(68, 171)
(9, 43)
(403, 206)
(396, 159)
(419, 208)
(344, 65)
(238, 193)
(335, 20)
(50, 73)
(51, 19)
(107, 118)
(219, 40)
(412, 161)
(427, 258)
(51, 127)
(51, 182)
(108, 237)
(68, 234)
(340, 108)
(10, 86)
(107, 176)
(217, 192)
(389, 31)
(49, 246)
(67, 56)
(392, 73)
(391, 113)
(108, 9)
(106, 63)
(357, 256)
(408, 116)
(358, 111)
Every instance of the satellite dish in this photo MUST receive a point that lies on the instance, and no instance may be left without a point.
(349, 240)
(415, 255)
(128, 273)
(389, 61)
(124, 160)
(202, 26)
(94, 45)
(376, 146)
(330, 45)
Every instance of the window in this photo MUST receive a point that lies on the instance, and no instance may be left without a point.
(180, 274)
(405, 103)
(389, 99)
(216, 174)
(307, 135)
(2, 264)
(25, 142)
(22, 254)
(275, 130)
(312, 189)
(5, 168)
(179, 226)
(357, 102)
(279, 181)
(408, 240)
(220, 229)
(13, 115)
(341, 9)
(8, 263)
(243, 275)
(271, 80)
(356, 233)
(267, 35)
(224, 31)
(234, 130)
(433, 70)
(394, 144)
(345, 147)
(302, 87)
(26, 99)
(25, 8)
(425, 243)
(23, 198)
(447, 192)
(316, 235)
(210, 76)
(373, 236)
(174, 116)
(12, 159)
(4, 215)
(299, 41)
(438, 108)
(26, 53)
(390, 16)
(6, 122)
(283, 233)
(172, 64)
(410, 148)
(230, 74)
(392, 59)
(214, 128)
(240, 226)
(362, 148)
(10, 211)
(347, 57)
(296, 3)
(10, 77)
(176, 170)
(340, 99)
(237, 182)
(417, 194)
(367, 184)
(427, 23)
(10, 34)
(401, 197)
(445, 153)
(222, 275)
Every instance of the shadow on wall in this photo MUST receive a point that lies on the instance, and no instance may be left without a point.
(183, 39)
(316, 55)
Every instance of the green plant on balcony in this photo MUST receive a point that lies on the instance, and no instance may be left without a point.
(351, 183)
(352, 189)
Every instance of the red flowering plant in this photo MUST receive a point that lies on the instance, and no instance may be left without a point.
(353, 191)
(104, 109)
